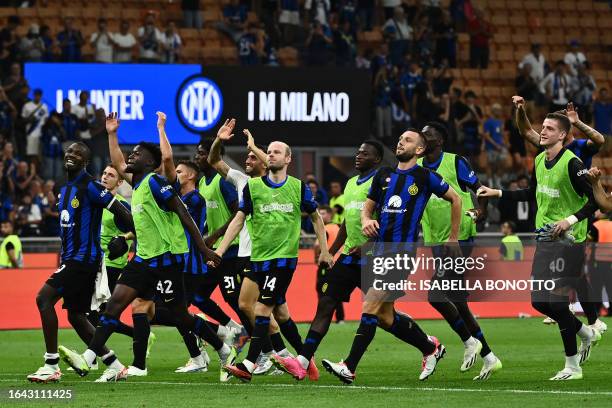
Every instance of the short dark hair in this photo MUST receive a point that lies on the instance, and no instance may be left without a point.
(377, 146)
(207, 145)
(85, 148)
(563, 120)
(470, 94)
(154, 150)
(326, 208)
(101, 20)
(38, 91)
(511, 224)
(113, 167)
(313, 182)
(440, 128)
(458, 92)
(191, 164)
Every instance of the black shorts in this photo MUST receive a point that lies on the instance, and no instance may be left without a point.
(450, 275)
(229, 277)
(247, 269)
(76, 282)
(561, 263)
(163, 282)
(112, 274)
(202, 285)
(273, 285)
(339, 281)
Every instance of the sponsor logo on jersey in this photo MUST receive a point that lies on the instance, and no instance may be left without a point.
(286, 208)
(355, 205)
(549, 191)
(212, 204)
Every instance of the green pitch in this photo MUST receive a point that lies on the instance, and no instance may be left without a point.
(530, 351)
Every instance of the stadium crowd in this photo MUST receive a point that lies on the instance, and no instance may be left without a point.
(412, 83)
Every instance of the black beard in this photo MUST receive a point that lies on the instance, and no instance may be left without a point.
(404, 157)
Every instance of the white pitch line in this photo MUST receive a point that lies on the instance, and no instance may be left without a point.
(361, 387)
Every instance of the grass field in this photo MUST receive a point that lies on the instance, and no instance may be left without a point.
(387, 376)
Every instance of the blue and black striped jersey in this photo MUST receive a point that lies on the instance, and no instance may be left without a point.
(80, 204)
(196, 205)
(401, 196)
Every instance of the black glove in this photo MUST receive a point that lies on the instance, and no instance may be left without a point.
(117, 247)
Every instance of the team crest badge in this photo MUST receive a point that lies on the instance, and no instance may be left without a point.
(74, 203)
(413, 189)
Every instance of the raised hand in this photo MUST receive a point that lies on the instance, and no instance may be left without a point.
(571, 113)
(161, 119)
(250, 139)
(112, 122)
(225, 131)
(518, 101)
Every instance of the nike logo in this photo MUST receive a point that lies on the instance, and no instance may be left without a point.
(168, 300)
(384, 188)
(246, 270)
(275, 195)
(266, 297)
(230, 291)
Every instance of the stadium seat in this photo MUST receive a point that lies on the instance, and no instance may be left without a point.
(288, 56)
(190, 54)
(584, 6)
(210, 16)
(569, 6)
(518, 20)
(211, 55)
(601, 7)
(496, 5)
(532, 5)
(131, 14)
(520, 38)
(550, 5)
(470, 74)
(189, 36)
(604, 21)
(515, 6)
(557, 38)
(505, 55)
(500, 20)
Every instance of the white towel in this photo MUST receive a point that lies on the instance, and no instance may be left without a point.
(102, 292)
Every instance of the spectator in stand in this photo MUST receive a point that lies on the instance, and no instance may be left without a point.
(320, 194)
(171, 44)
(444, 112)
(390, 6)
(584, 87)
(50, 227)
(408, 82)
(124, 43)
(556, 87)
(249, 48)
(70, 123)
(48, 42)
(9, 42)
(318, 44)
(537, 61)
(191, 14)
(517, 144)
(363, 59)
(365, 12)
(70, 42)
(344, 45)
(289, 20)
(574, 58)
(8, 166)
(8, 114)
(480, 32)
(85, 114)
(35, 191)
(495, 146)
(398, 33)
(149, 38)
(32, 46)
(317, 10)
(442, 78)
(11, 254)
(382, 100)
(7, 212)
(446, 42)
(602, 113)
(29, 217)
(470, 122)
(425, 106)
(14, 83)
(268, 16)
(380, 59)
(103, 42)
(424, 41)
(347, 12)
(527, 87)
(22, 178)
(34, 114)
(234, 20)
(53, 135)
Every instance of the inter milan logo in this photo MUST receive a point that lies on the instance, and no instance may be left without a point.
(74, 203)
(199, 104)
(413, 189)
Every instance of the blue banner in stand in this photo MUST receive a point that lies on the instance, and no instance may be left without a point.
(314, 106)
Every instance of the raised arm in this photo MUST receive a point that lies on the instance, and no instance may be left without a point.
(214, 157)
(601, 198)
(168, 168)
(261, 155)
(112, 125)
(594, 136)
(523, 124)
(232, 231)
